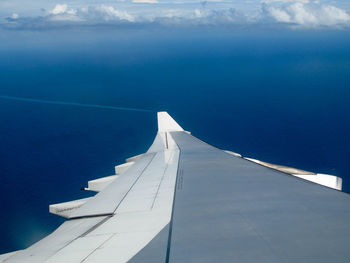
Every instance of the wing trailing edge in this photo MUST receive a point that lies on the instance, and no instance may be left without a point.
(67, 208)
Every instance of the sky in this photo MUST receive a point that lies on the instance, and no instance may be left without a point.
(277, 13)
(267, 79)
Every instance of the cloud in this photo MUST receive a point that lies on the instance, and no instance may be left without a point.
(226, 16)
(101, 13)
(309, 15)
(285, 1)
(15, 16)
(61, 13)
(145, 1)
(59, 9)
(105, 13)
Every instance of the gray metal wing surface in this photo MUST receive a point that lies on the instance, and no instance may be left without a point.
(187, 201)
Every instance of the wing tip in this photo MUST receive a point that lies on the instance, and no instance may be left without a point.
(167, 123)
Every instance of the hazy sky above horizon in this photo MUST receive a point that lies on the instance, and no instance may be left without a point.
(279, 13)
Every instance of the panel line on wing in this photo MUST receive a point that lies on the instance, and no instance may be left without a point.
(98, 247)
(121, 201)
(172, 209)
(160, 183)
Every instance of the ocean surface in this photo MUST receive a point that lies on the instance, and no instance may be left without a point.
(278, 96)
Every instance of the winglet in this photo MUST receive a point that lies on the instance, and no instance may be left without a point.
(166, 123)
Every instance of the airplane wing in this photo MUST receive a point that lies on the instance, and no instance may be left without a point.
(187, 201)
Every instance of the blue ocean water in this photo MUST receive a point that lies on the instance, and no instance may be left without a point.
(277, 96)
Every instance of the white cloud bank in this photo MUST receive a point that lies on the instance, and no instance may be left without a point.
(286, 13)
(309, 15)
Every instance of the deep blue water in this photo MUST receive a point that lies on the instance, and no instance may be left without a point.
(281, 97)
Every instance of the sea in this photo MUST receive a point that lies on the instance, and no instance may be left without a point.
(281, 96)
